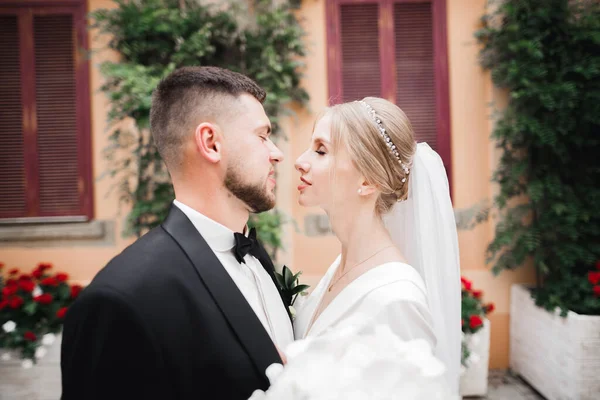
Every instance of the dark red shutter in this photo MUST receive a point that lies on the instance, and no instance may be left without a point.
(12, 149)
(360, 62)
(415, 73)
(45, 166)
(55, 87)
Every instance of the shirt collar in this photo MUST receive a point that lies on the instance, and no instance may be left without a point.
(218, 237)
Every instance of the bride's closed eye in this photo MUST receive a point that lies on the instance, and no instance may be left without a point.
(320, 151)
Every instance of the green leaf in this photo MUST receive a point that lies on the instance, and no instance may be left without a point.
(30, 308)
(288, 277)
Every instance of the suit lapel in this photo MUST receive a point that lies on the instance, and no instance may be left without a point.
(227, 296)
(267, 264)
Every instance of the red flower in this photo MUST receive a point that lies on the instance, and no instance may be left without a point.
(27, 286)
(49, 282)
(11, 282)
(75, 290)
(61, 277)
(13, 271)
(3, 303)
(1, 265)
(597, 291)
(44, 298)
(61, 312)
(9, 290)
(30, 336)
(25, 277)
(477, 294)
(44, 266)
(475, 321)
(37, 274)
(466, 283)
(594, 277)
(15, 302)
(489, 308)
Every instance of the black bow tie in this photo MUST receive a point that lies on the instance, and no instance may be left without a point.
(246, 245)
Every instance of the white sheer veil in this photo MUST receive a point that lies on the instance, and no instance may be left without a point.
(424, 229)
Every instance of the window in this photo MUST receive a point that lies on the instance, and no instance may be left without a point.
(395, 49)
(45, 156)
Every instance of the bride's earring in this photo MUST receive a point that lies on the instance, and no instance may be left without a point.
(359, 191)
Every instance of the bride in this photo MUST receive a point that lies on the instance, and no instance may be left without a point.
(388, 202)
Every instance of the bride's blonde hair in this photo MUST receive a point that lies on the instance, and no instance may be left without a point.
(355, 127)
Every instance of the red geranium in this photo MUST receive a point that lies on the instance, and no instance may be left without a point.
(49, 282)
(594, 277)
(9, 290)
(466, 283)
(475, 321)
(27, 286)
(75, 290)
(44, 266)
(61, 312)
(37, 315)
(44, 298)
(597, 291)
(15, 302)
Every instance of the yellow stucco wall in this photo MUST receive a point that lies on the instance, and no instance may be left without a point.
(473, 158)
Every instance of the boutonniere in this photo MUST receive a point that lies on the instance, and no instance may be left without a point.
(290, 288)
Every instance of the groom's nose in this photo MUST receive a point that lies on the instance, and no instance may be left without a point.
(276, 154)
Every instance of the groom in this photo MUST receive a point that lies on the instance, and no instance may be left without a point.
(190, 310)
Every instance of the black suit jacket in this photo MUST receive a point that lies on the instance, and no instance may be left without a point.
(164, 320)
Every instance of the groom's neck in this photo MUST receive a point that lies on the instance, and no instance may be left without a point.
(216, 204)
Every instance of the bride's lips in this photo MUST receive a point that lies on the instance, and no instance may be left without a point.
(304, 185)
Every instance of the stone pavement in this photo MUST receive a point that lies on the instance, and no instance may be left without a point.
(503, 385)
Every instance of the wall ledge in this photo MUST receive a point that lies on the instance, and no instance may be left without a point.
(92, 233)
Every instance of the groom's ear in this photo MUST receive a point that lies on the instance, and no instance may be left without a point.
(209, 141)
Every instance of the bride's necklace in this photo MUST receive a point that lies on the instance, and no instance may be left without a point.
(356, 265)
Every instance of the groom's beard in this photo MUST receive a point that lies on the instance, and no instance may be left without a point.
(255, 196)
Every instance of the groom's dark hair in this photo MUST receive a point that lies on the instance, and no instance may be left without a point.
(189, 94)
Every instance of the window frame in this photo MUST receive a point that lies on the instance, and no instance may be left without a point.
(25, 10)
(388, 62)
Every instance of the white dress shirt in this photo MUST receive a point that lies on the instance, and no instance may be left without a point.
(251, 278)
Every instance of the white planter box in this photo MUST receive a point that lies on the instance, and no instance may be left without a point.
(40, 382)
(474, 381)
(558, 356)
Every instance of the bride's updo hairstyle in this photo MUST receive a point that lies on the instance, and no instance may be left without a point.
(380, 140)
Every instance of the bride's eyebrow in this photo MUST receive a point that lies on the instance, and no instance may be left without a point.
(320, 140)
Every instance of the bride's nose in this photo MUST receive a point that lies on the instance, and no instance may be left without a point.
(301, 165)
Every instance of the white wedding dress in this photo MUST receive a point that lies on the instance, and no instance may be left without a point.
(391, 294)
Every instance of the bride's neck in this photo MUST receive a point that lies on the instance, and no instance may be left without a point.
(360, 236)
